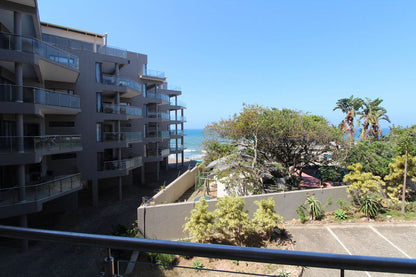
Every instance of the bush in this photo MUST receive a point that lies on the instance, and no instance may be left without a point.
(340, 215)
(301, 213)
(232, 222)
(344, 205)
(166, 260)
(314, 208)
(198, 265)
(265, 219)
(370, 205)
(200, 224)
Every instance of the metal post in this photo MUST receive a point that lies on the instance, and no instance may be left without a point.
(109, 264)
(342, 272)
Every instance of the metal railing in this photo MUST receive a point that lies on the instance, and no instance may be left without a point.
(26, 94)
(126, 164)
(39, 144)
(38, 192)
(170, 87)
(121, 109)
(122, 136)
(112, 51)
(177, 133)
(157, 95)
(38, 47)
(154, 73)
(178, 118)
(157, 134)
(176, 149)
(178, 103)
(158, 115)
(272, 256)
(122, 81)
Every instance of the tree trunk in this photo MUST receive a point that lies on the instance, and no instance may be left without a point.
(404, 183)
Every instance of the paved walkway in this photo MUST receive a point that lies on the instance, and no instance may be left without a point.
(378, 239)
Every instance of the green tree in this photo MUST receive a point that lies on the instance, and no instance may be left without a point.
(371, 113)
(265, 218)
(397, 172)
(232, 221)
(200, 224)
(349, 106)
(361, 182)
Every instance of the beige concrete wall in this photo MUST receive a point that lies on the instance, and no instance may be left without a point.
(166, 221)
(177, 188)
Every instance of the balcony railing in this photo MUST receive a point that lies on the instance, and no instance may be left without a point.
(122, 136)
(121, 81)
(158, 115)
(177, 149)
(178, 103)
(178, 133)
(170, 87)
(157, 134)
(10, 93)
(341, 262)
(39, 144)
(154, 73)
(38, 47)
(165, 152)
(157, 95)
(112, 51)
(39, 192)
(178, 118)
(124, 164)
(121, 109)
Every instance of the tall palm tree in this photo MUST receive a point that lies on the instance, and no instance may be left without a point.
(349, 106)
(371, 113)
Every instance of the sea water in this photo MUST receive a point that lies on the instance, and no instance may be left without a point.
(193, 144)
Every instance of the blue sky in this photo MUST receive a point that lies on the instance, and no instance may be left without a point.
(302, 55)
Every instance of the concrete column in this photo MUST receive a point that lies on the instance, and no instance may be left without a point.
(18, 69)
(94, 190)
(23, 223)
(120, 188)
(17, 25)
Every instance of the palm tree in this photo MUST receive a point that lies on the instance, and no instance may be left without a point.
(372, 113)
(349, 106)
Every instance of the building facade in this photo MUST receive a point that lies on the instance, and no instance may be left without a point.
(76, 113)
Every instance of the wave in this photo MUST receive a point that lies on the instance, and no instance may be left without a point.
(190, 150)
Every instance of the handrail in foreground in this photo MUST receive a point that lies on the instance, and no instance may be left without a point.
(310, 259)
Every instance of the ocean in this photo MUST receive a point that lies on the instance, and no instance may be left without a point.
(193, 144)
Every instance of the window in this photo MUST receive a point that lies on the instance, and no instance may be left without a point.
(99, 131)
(98, 101)
(98, 73)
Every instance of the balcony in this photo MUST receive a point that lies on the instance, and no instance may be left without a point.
(157, 134)
(32, 100)
(179, 119)
(123, 112)
(35, 195)
(30, 149)
(154, 155)
(117, 168)
(153, 76)
(133, 88)
(170, 89)
(156, 97)
(112, 51)
(157, 116)
(55, 64)
(178, 133)
(177, 106)
(174, 149)
(119, 139)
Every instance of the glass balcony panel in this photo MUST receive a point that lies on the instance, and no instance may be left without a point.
(121, 81)
(35, 46)
(121, 109)
(154, 73)
(122, 136)
(9, 93)
(39, 144)
(112, 51)
(56, 186)
(123, 164)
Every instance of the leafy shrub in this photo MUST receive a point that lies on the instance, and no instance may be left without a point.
(166, 260)
(370, 205)
(340, 215)
(344, 205)
(265, 219)
(411, 207)
(232, 222)
(198, 265)
(200, 224)
(301, 213)
(314, 208)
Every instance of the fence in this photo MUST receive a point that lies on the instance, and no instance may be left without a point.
(272, 256)
(166, 221)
